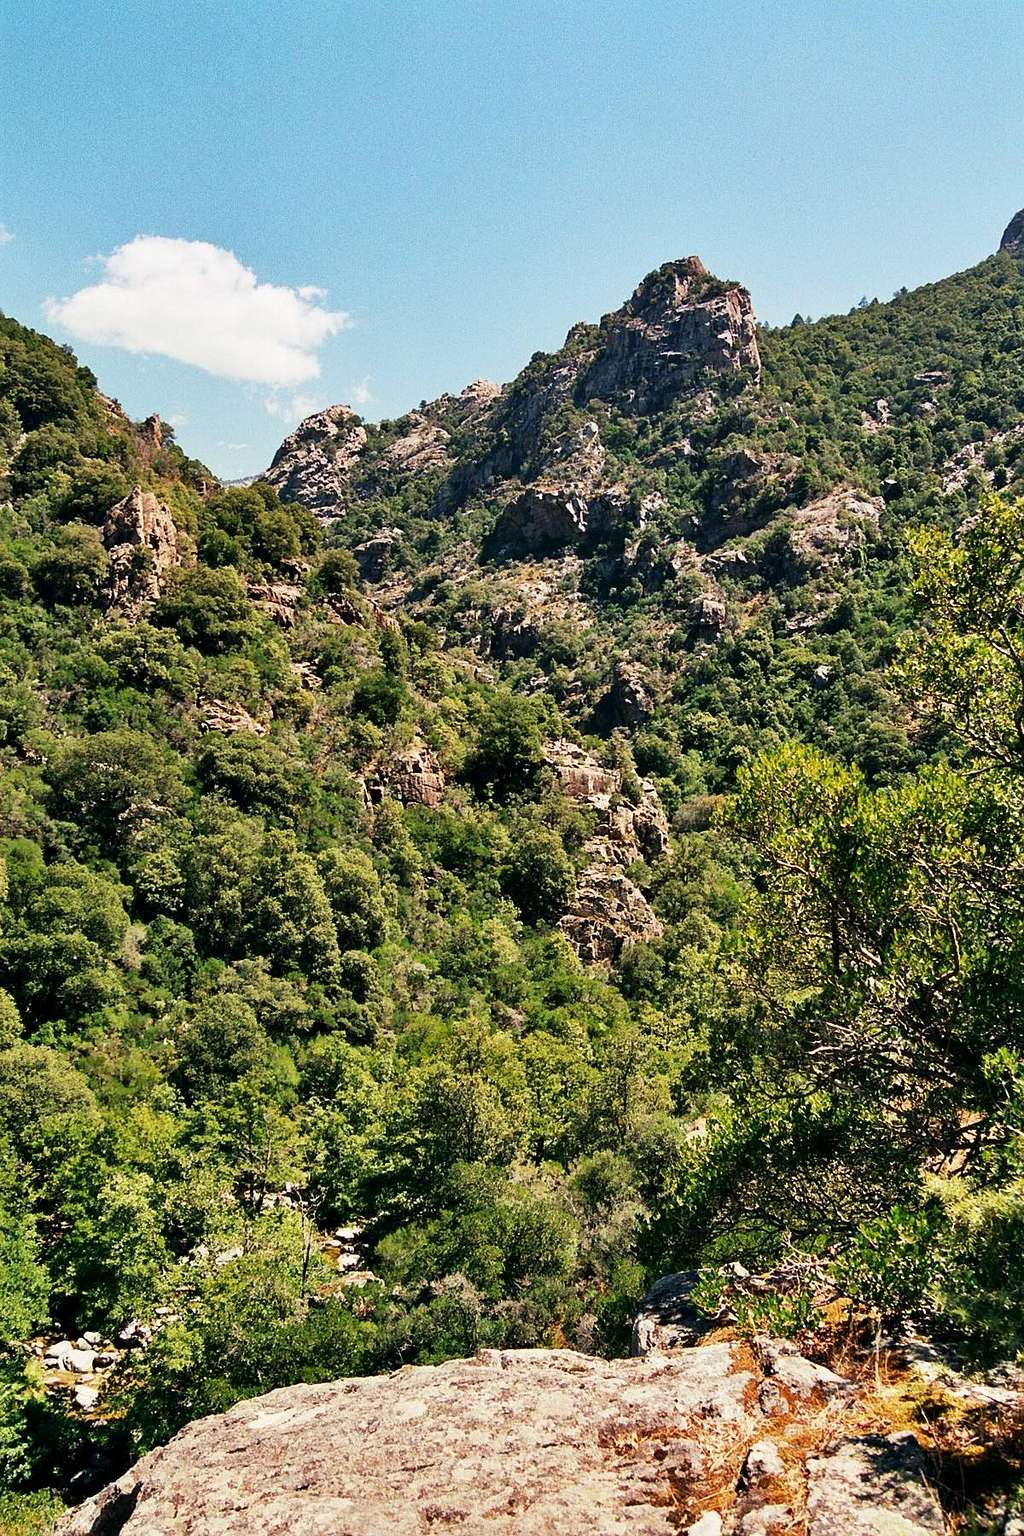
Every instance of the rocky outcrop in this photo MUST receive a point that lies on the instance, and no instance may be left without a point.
(376, 555)
(829, 530)
(1013, 235)
(228, 719)
(513, 1442)
(314, 465)
(278, 599)
(870, 1485)
(709, 1441)
(142, 546)
(609, 910)
(680, 325)
(535, 446)
(414, 776)
(629, 701)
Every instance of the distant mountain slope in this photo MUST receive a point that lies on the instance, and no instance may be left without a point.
(713, 506)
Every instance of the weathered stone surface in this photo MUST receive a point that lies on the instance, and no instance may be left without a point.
(1013, 235)
(667, 1319)
(514, 1443)
(765, 1520)
(826, 531)
(279, 599)
(142, 546)
(680, 323)
(707, 617)
(872, 1486)
(376, 556)
(314, 464)
(229, 719)
(413, 775)
(609, 911)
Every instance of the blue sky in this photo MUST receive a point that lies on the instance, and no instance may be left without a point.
(415, 195)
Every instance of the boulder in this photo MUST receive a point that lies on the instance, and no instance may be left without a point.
(414, 776)
(514, 1443)
(667, 1319)
(707, 617)
(376, 555)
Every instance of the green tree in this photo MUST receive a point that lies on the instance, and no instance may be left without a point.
(539, 877)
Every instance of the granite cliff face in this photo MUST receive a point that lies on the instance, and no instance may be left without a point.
(142, 545)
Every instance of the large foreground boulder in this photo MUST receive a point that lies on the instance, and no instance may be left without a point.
(530, 1442)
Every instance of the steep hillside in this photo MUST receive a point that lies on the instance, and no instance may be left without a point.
(682, 511)
(427, 913)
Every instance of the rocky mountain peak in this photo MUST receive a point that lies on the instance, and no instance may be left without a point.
(680, 324)
(1013, 235)
(668, 289)
(314, 463)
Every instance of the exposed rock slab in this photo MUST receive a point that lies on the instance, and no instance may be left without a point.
(512, 1443)
(609, 911)
(1013, 235)
(872, 1486)
(680, 324)
(314, 465)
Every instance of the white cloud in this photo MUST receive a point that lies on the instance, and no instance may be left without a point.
(179, 419)
(198, 304)
(291, 409)
(6, 235)
(361, 393)
(232, 447)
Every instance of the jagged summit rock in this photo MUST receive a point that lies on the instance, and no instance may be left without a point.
(680, 323)
(313, 464)
(1013, 235)
(681, 328)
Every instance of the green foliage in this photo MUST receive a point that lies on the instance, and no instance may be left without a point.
(73, 567)
(507, 756)
(539, 877)
(208, 608)
(247, 994)
(890, 1264)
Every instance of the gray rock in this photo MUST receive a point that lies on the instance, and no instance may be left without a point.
(874, 1486)
(763, 1462)
(667, 1319)
(767, 1520)
(514, 1442)
(709, 1524)
(800, 1380)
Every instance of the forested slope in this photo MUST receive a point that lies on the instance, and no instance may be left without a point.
(576, 834)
